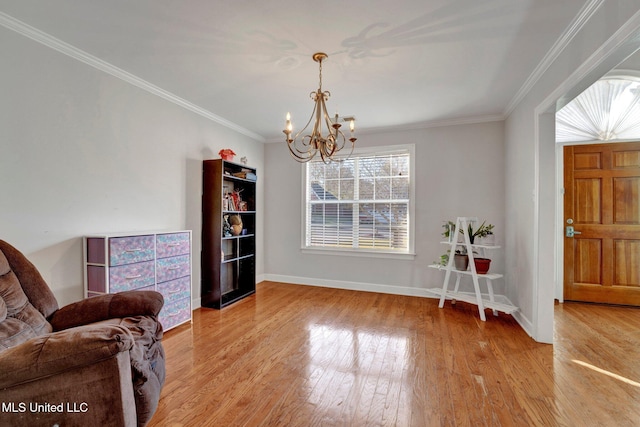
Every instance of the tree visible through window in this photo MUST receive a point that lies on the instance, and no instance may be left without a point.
(360, 203)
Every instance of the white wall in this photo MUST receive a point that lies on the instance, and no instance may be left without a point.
(530, 157)
(459, 172)
(84, 152)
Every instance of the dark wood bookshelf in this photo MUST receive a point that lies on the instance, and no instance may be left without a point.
(228, 260)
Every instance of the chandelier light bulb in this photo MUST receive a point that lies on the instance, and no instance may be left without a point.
(288, 127)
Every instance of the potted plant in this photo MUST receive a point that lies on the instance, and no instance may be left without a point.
(485, 235)
(483, 231)
(444, 260)
(482, 265)
(461, 258)
(449, 230)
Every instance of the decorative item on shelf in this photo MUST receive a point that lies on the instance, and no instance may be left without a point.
(444, 260)
(461, 261)
(482, 265)
(227, 154)
(483, 231)
(305, 148)
(480, 232)
(461, 258)
(237, 199)
(244, 160)
(226, 227)
(231, 205)
(489, 239)
(236, 225)
(449, 230)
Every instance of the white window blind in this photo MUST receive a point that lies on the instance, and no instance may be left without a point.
(362, 203)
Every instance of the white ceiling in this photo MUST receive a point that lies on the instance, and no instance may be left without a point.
(391, 63)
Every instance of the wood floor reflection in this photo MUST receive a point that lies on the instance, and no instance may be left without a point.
(308, 356)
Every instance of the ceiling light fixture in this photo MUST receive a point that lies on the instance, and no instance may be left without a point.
(305, 148)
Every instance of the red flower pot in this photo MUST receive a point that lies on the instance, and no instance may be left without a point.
(482, 265)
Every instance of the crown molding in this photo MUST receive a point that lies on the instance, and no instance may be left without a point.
(563, 41)
(436, 123)
(48, 40)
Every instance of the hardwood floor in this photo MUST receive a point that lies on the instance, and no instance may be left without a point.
(308, 356)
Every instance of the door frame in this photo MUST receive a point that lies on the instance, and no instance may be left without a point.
(545, 192)
(559, 223)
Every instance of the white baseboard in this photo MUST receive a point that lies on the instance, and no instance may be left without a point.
(366, 287)
(524, 323)
(354, 286)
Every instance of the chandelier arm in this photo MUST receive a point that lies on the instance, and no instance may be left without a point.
(301, 148)
(300, 151)
(302, 155)
(302, 159)
(335, 132)
(307, 125)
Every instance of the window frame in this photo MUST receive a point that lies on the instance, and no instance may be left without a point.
(409, 253)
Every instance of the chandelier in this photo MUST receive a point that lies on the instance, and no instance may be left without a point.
(329, 145)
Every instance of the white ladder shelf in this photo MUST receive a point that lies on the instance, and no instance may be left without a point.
(462, 223)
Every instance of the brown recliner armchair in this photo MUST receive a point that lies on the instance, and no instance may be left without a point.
(98, 361)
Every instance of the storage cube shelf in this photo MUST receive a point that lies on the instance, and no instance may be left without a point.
(228, 257)
(153, 261)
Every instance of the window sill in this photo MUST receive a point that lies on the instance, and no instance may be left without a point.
(358, 253)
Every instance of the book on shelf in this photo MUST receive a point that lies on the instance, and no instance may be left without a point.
(245, 174)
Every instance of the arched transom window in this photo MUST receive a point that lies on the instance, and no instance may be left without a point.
(609, 110)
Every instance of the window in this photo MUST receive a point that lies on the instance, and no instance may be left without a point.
(362, 204)
(609, 110)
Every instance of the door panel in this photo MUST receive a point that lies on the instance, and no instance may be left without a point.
(602, 203)
(584, 161)
(588, 261)
(625, 204)
(588, 194)
(626, 159)
(627, 260)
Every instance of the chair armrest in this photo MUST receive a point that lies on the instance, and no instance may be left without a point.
(61, 351)
(110, 306)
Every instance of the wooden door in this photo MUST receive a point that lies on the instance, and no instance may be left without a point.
(602, 203)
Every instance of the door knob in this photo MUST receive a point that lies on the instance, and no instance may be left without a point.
(570, 231)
